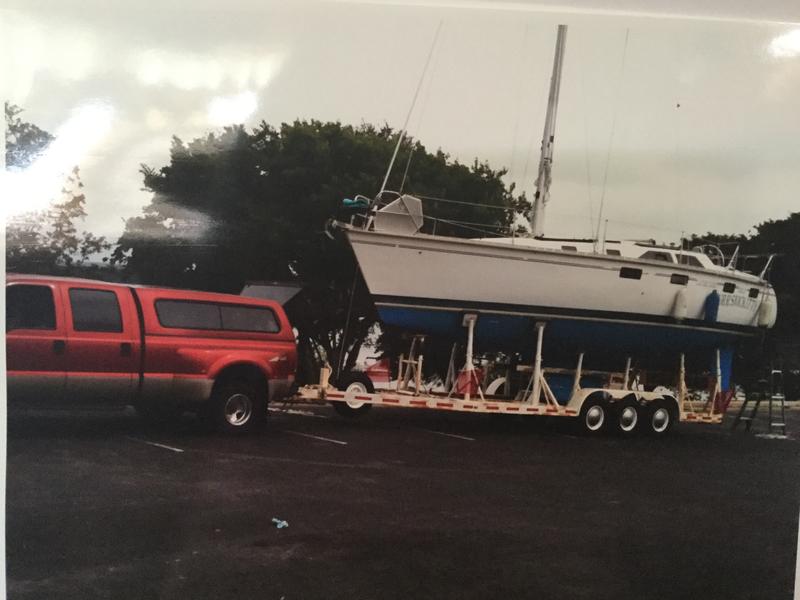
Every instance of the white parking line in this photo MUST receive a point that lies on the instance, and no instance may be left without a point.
(292, 411)
(316, 437)
(452, 435)
(797, 566)
(156, 444)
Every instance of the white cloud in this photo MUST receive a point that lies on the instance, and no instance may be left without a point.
(187, 71)
(224, 110)
(69, 53)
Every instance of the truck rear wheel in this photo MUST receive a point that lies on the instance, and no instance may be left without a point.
(358, 383)
(236, 408)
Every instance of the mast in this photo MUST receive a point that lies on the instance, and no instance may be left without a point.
(542, 195)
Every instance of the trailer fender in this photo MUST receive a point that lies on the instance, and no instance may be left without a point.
(491, 389)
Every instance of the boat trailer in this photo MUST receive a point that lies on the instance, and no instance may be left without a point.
(621, 405)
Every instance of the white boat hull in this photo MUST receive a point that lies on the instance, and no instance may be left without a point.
(424, 283)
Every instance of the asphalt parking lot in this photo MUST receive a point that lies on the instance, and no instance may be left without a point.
(400, 504)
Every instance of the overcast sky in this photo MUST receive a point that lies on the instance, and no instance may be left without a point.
(698, 120)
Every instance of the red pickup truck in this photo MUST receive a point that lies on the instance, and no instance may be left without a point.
(76, 342)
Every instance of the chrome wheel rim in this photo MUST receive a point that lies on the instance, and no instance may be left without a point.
(358, 388)
(238, 409)
(660, 420)
(595, 417)
(628, 417)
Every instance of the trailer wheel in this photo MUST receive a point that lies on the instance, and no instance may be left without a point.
(359, 383)
(627, 413)
(594, 415)
(659, 416)
(235, 407)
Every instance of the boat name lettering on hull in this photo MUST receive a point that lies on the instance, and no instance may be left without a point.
(739, 301)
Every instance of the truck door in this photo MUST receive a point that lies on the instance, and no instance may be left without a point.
(35, 345)
(103, 344)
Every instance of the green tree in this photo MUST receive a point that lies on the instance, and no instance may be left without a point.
(45, 241)
(243, 205)
(24, 141)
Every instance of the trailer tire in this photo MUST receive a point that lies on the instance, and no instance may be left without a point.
(355, 381)
(627, 416)
(660, 415)
(594, 415)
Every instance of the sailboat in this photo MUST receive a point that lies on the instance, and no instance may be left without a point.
(601, 297)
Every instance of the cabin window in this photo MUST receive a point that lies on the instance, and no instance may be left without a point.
(753, 292)
(95, 310)
(183, 314)
(569, 248)
(679, 279)
(653, 255)
(729, 288)
(613, 252)
(30, 307)
(190, 314)
(628, 273)
(248, 318)
(692, 261)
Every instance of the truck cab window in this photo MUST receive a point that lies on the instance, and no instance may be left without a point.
(30, 307)
(95, 310)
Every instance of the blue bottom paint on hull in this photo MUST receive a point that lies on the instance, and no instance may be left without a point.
(605, 344)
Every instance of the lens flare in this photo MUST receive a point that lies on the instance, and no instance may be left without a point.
(786, 45)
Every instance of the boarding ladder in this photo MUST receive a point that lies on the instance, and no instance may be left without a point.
(771, 390)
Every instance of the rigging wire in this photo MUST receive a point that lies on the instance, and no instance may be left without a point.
(435, 199)
(649, 226)
(678, 187)
(408, 164)
(611, 136)
(410, 109)
(511, 171)
(424, 106)
(581, 68)
(527, 162)
(459, 224)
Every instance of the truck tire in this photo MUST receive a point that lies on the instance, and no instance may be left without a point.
(594, 415)
(236, 408)
(659, 417)
(358, 382)
(626, 416)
